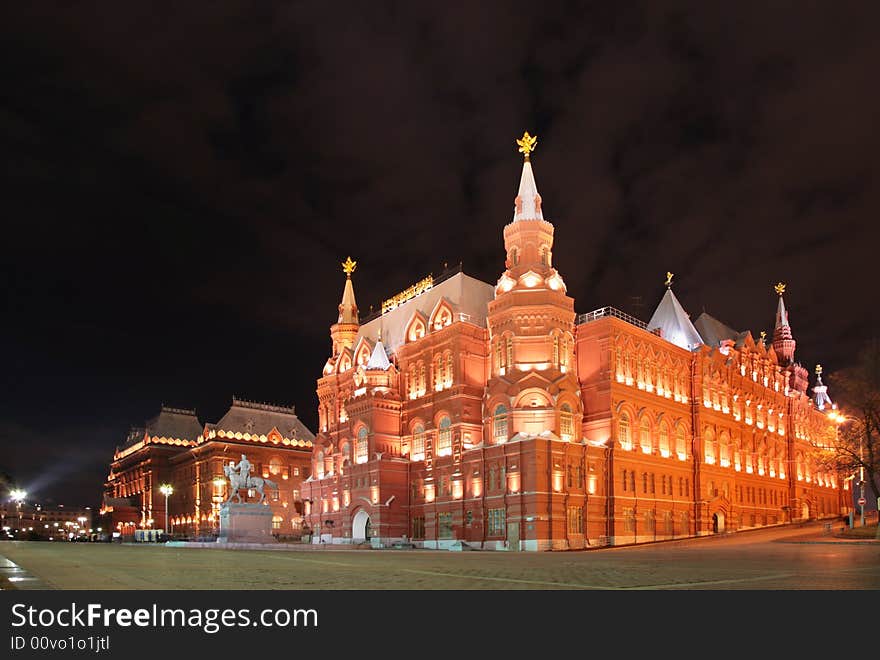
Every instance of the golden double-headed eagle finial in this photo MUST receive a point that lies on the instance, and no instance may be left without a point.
(669, 277)
(779, 288)
(818, 369)
(763, 336)
(348, 266)
(527, 144)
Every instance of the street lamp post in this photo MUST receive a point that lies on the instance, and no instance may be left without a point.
(838, 419)
(166, 490)
(18, 495)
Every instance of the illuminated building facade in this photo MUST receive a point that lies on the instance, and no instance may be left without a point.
(175, 448)
(495, 416)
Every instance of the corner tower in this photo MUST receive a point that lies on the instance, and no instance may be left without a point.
(532, 389)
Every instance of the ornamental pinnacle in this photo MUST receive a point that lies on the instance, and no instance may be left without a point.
(527, 144)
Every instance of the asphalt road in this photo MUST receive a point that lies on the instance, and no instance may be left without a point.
(771, 559)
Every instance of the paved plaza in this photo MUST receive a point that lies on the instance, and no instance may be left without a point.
(781, 558)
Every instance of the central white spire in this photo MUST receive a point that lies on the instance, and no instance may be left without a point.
(527, 205)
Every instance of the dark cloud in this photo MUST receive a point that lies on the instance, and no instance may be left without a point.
(180, 184)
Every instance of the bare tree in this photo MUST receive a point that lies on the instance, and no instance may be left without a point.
(857, 446)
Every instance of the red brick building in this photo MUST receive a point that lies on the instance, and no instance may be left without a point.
(176, 448)
(496, 416)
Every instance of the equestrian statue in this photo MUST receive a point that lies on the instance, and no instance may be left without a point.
(240, 478)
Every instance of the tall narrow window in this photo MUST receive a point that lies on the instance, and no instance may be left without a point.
(436, 368)
(623, 433)
(664, 439)
(361, 449)
(499, 424)
(566, 423)
(444, 437)
(418, 448)
(556, 351)
(448, 376)
(709, 446)
(645, 435)
(509, 352)
(422, 389)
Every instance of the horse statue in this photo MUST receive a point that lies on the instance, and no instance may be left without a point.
(236, 484)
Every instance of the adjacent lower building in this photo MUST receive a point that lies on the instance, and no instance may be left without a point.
(494, 415)
(176, 448)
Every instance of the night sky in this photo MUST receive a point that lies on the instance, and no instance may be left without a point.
(181, 184)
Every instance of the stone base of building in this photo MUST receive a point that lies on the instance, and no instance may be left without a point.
(245, 523)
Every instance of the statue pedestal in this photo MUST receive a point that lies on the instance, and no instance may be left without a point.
(245, 523)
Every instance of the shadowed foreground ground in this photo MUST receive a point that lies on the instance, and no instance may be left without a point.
(793, 558)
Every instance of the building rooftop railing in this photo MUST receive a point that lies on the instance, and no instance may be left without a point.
(602, 312)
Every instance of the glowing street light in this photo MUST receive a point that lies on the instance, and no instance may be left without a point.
(839, 419)
(18, 495)
(166, 490)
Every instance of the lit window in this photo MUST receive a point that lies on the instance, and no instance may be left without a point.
(418, 449)
(361, 451)
(623, 433)
(500, 424)
(496, 526)
(645, 435)
(680, 442)
(444, 437)
(566, 422)
(664, 439)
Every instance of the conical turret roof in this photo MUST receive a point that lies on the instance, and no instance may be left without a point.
(674, 323)
(379, 358)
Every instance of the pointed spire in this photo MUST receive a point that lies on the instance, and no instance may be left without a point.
(674, 323)
(348, 311)
(783, 342)
(527, 205)
(379, 358)
(821, 391)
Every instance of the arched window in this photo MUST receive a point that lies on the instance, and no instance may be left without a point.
(319, 464)
(680, 442)
(444, 436)
(664, 439)
(361, 446)
(623, 433)
(645, 435)
(499, 424)
(345, 449)
(724, 450)
(556, 351)
(566, 422)
(709, 446)
(448, 376)
(545, 255)
(508, 345)
(418, 446)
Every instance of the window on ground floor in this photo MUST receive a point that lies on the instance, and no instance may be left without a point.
(496, 522)
(418, 527)
(575, 520)
(444, 525)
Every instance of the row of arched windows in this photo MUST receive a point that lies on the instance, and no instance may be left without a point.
(419, 437)
(665, 378)
(668, 440)
(442, 375)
